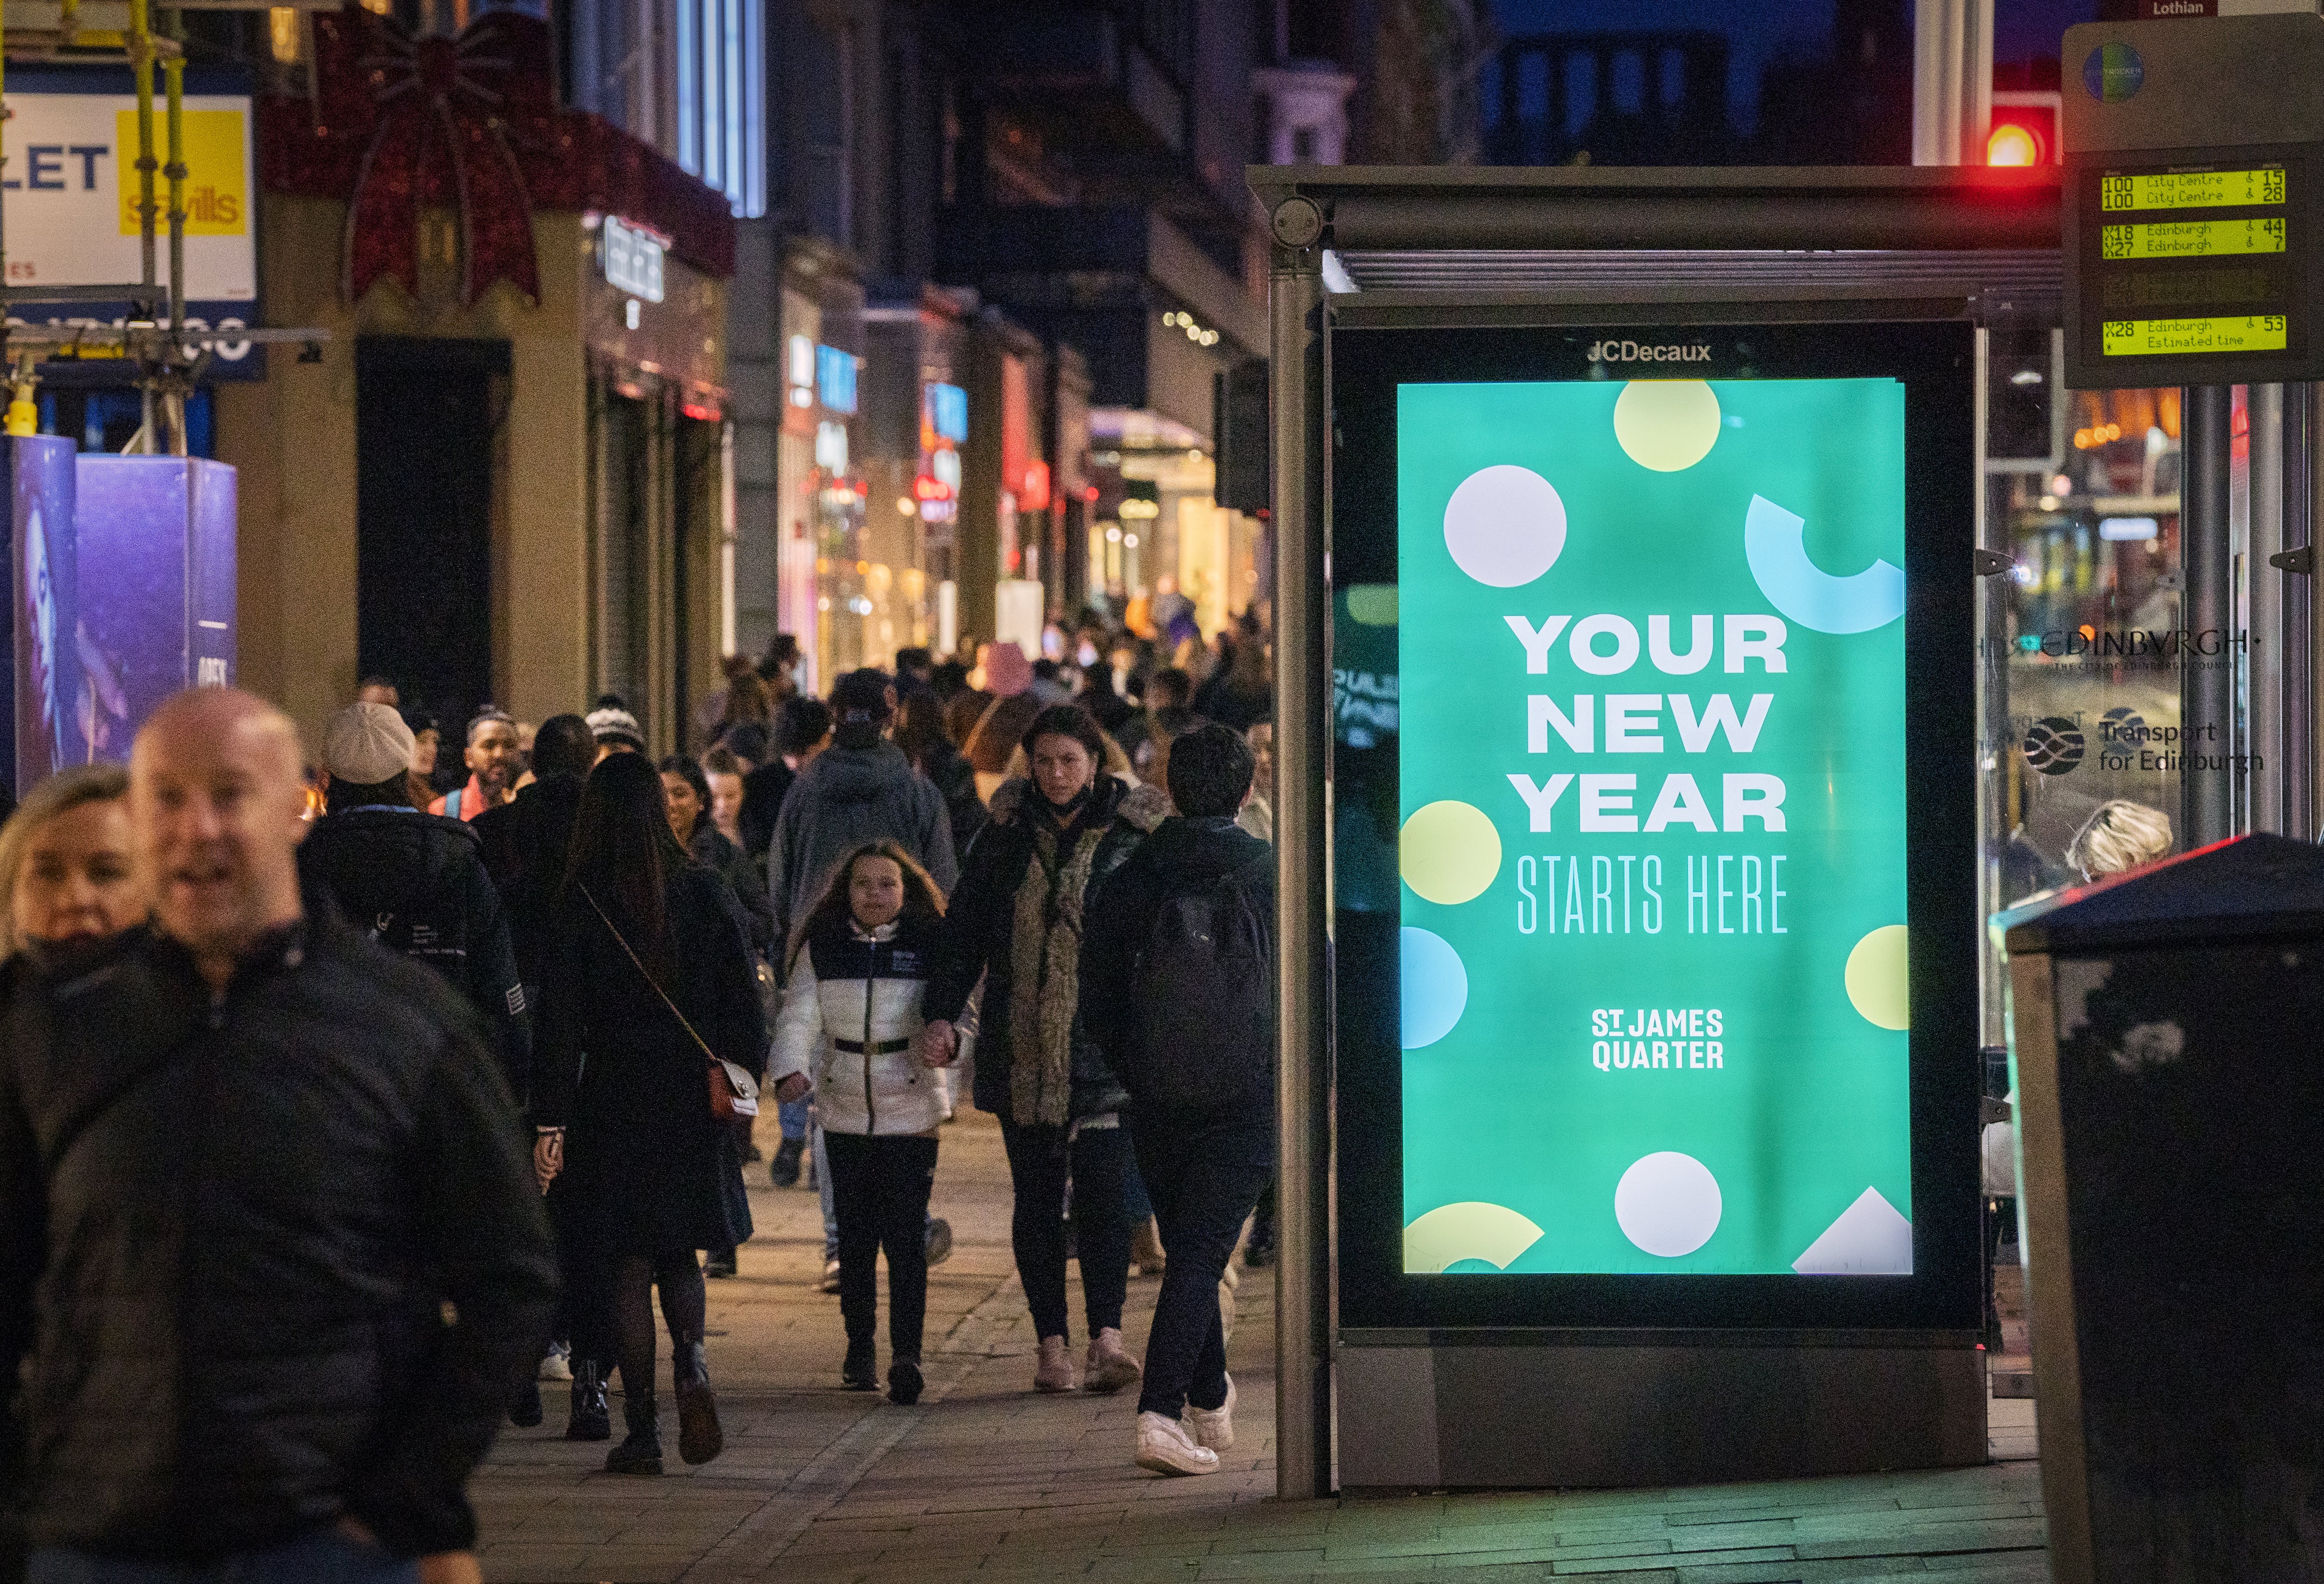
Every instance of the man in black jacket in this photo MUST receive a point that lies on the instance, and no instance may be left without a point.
(414, 880)
(525, 838)
(1186, 1020)
(271, 1254)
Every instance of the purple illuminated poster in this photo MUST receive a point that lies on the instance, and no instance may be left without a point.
(157, 587)
(45, 679)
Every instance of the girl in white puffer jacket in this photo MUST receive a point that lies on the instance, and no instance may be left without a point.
(850, 1020)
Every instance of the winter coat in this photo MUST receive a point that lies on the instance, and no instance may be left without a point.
(525, 841)
(711, 849)
(763, 791)
(275, 1257)
(648, 1169)
(952, 776)
(1185, 857)
(851, 1008)
(981, 936)
(417, 882)
(845, 798)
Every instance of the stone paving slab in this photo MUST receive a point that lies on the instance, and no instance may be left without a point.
(985, 1482)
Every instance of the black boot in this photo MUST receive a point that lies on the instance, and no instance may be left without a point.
(640, 1453)
(525, 1412)
(861, 1372)
(592, 1420)
(783, 1171)
(699, 1438)
(905, 1383)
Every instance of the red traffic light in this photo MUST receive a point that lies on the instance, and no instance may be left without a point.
(2024, 130)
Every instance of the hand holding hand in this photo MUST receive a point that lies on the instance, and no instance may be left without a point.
(939, 1043)
(548, 1158)
(792, 1088)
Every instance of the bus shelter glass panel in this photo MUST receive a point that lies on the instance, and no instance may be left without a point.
(2090, 643)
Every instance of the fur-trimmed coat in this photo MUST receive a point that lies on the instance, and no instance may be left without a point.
(1018, 925)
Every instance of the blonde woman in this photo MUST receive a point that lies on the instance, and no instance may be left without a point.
(2121, 835)
(65, 864)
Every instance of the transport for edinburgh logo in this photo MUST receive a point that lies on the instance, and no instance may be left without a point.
(2053, 745)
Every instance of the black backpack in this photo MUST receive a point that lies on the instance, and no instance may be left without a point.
(1203, 1036)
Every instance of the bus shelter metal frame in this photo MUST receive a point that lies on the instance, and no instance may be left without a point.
(1477, 241)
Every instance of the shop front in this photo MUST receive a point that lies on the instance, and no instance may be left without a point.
(503, 478)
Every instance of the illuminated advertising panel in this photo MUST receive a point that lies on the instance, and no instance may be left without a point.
(1635, 788)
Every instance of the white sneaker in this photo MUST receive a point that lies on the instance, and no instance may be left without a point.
(1107, 1367)
(1213, 1427)
(1054, 1370)
(1165, 1447)
(556, 1364)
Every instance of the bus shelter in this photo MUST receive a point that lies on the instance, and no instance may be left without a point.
(1699, 605)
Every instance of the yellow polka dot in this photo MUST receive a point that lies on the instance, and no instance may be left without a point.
(1475, 1230)
(1666, 424)
(1448, 852)
(1372, 604)
(1877, 979)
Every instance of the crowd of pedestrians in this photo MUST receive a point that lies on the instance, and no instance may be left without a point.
(441, 1085)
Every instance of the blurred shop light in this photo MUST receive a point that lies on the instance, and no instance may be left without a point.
(835, 378)
(1114, 533)
(1135, 509)
(630, 313)
(905, 506)
(699, 411)
(800, 366)
(2011, 145)
(947, 466)
(2104, 434)
(2023, 574)
(2126, 528)
(1033, 493)
(948, 412)
(1130, 541)
(831, 445)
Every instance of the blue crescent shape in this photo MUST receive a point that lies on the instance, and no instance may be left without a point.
(1773, 542)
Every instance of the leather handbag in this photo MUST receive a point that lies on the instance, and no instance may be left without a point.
(733, 1092)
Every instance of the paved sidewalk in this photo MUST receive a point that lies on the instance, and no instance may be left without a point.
(984, 1480)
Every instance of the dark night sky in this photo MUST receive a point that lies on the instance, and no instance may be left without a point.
(1765, 31)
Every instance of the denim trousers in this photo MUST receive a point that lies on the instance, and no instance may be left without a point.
(1204, 1177)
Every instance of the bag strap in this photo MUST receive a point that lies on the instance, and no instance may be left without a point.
(647, 975)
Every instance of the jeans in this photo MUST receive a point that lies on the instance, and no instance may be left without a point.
(324, 1556)
(791, 1116)
(881, 1187)
(822, 1156)
(1041, 1160)
(1204, 1178)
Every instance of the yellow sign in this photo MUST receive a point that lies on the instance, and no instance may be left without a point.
(217, 203)
(2193, 239)
(2228, 333)
(2193, 189)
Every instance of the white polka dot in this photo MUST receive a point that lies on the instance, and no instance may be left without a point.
(1667, 1203)
(1505, 526)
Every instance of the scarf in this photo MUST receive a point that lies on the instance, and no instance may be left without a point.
(1045, 946)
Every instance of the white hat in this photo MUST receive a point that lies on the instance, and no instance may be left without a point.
(366, 744)
(618, 725)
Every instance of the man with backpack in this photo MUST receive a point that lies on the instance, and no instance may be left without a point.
(1178, 990)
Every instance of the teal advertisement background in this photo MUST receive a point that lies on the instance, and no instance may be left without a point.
(1533, 955)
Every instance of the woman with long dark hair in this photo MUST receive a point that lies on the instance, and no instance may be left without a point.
(646, 980)
(1015, 919)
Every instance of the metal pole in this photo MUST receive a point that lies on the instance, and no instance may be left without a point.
(2263, 655)
(2207, 673)
(2312, 497)
(173, 77)
(1303, 602)
(2298, 657)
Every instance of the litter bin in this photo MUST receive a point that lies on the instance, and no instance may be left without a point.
(2165, 1035)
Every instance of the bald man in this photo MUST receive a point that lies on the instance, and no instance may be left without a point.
(268, 1237)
